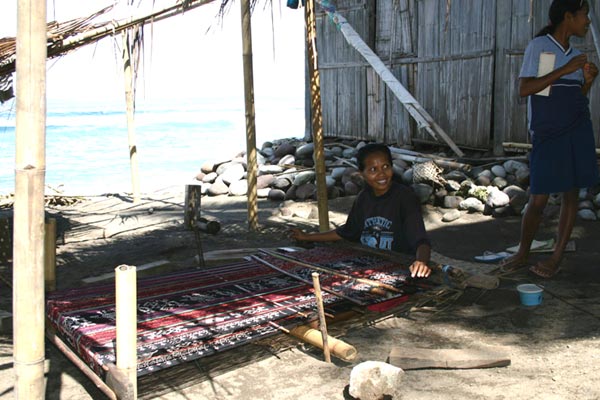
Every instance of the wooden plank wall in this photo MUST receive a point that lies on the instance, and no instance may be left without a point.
(459, 58)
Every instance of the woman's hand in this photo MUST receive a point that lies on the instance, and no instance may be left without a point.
(419, 269)
(297, 234)
(590, 71)
(575, 63)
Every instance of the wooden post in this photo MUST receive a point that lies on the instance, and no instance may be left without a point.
(250, 122)
(321, 311)
(50, 255)
(126, 310)
(192, 201)
(130, 106)
(30, 170)
(317, 118)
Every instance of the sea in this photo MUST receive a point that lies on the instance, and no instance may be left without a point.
(87, 143)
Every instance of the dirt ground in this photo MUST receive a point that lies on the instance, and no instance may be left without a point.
(554, 348)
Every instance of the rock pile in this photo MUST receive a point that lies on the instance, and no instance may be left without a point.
(286, 172)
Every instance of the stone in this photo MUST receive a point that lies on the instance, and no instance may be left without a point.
(455, 175)
(329, 181)
(338, 172)
(522, 176)
(452, 201)
(483, 180)
(268, 152)
(398, 171)
(210, 178)
(269, 169)
(423, 191)
(452, 186)
(351, 188)
(487, 173)
(266, 145)
(400, 163)
(304, 177)
(233, 173)
(407, 176)
(499, 171)
(208, 167)
(305, 151)
(333, 192)
(288, 159)
(306, 191)
(200, 176)
(501, 212)
(281, 183)
(372, 380)
(239, 188)
(349, 153)
(451, 215)
(596, 200)
(337, 151)
(518, 197)
(307, 162)
(479, 192)
(284, 149)
(586, 204)
(264, 181)
(587, 215)
(263, 193)
(497, 198)
(290, 194)
(512, 166)
(276, 195)
(218, 188)
(305, 210)
(499, 182)
(471, 204)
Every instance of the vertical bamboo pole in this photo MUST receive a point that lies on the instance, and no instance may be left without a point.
(321, 310)
(317, 119)
(126, 310)
(50, 255)
(30, 169)
(250, 122)
(130, 107)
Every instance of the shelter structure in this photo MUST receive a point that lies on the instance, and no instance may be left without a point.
(459, 58)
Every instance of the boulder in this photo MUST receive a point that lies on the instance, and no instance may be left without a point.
(423, 191)
(210, 178)
(304, 177)
(451, 215)
(218, 188)
(373, 380)
(305, 191)
(284, 149)
(305, 151)
(239, 188)
(233, 173)
(264, 181)
(276, 195)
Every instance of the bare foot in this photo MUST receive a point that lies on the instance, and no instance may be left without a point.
(546, 269)
(513, 263)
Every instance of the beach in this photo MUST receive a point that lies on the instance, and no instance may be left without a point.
(553, 347)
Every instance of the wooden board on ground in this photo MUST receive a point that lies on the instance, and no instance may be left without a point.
(413, 358)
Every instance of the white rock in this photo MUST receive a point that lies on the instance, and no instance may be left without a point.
(587, 215)
(210, 178)
(451, 215)
(497, 198)
(471, 204)
(239, 188)
(371, 380)
(263, 193)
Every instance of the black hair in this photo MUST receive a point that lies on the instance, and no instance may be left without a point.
(369, 149)
(557, 11)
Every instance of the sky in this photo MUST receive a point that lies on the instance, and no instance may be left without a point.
(194, 55)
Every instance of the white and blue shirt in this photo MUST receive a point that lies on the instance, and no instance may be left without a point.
(554, 115)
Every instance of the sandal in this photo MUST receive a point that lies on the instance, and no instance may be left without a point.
(512, 264)
(543, 271)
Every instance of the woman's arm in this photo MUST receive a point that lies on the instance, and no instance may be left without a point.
(590, 71)
(531, 85)
(329, 236)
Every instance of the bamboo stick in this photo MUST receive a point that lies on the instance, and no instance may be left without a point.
(338, 348)
(250, 121)
(370, 282)
(129, 80)
(83, 367)
(321, 311)
(526, 146)
(316, 113)
(50, 255)
(126, 311)
(28, 233)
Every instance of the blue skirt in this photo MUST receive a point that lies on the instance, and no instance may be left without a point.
(562, 163)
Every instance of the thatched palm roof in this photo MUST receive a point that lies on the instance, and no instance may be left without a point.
(66, 36)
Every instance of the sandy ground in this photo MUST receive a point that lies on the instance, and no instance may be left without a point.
(554, 348)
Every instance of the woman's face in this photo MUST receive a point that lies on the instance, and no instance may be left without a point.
(580, 23)
(378, 173)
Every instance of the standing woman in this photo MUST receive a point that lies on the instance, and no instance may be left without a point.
(563, 157)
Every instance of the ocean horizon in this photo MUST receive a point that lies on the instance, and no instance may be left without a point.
(87, 144)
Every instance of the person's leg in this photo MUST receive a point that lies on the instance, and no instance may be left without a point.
(568, 212)
(529, 225)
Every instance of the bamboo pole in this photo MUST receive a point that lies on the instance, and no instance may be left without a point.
(50, 255)
(130, 107)
(338, 348)
(250, 122)
(126, 310)
(321, 311)
(316, 113)
(30, 169)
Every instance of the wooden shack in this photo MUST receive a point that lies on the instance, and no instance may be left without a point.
(459, 58)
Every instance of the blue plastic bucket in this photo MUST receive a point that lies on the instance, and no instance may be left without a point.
(530, 294)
